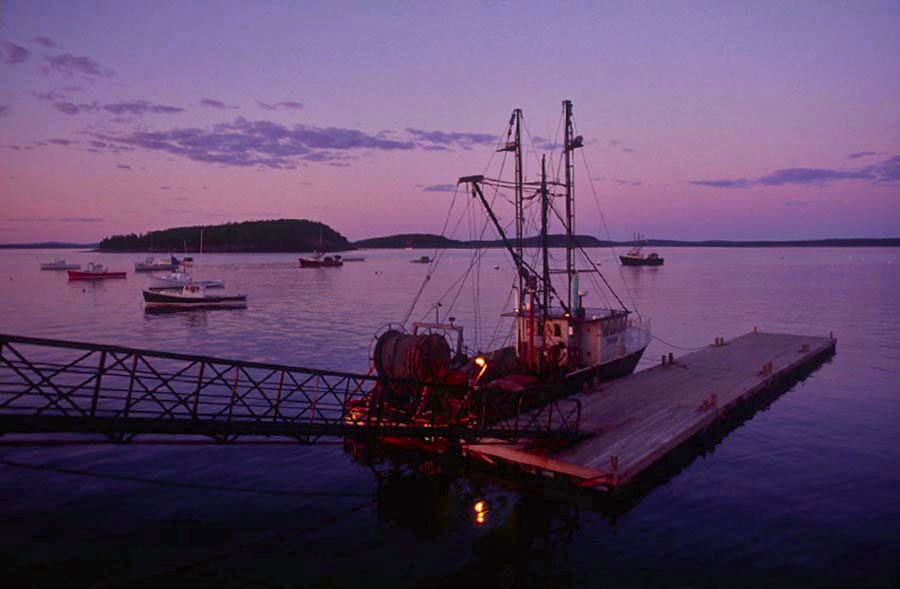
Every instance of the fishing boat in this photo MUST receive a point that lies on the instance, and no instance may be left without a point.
(151, 264)
(94, 272)
(554, 344)
(59, 265)
(321, 261)
(636, 257)
(422, 260)
(191, 296)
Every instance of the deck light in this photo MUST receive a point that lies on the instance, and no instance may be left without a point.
(481, 363)
(481, 510)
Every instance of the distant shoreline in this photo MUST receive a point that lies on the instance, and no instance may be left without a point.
(388, 243)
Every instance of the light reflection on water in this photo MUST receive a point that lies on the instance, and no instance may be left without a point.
(808, 484)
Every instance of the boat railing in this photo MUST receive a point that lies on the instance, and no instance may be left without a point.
(561, 416)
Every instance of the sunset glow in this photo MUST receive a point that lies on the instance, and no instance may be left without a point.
(764, 120)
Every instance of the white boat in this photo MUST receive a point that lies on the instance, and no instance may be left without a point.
(151, 264)
(173, 280)
(192, 296)
(59, 265)
(211, 283)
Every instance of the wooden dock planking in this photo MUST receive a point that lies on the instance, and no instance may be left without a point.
(634, 421)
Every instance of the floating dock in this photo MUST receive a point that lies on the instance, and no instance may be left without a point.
(632, 422)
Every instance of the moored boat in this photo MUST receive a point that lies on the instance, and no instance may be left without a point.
(636, 257)
(59, 265)
(151, 264)
(191, 296)
(555, 344)
(176, 280)
(421, 260)
(94, 272)
(322, 262)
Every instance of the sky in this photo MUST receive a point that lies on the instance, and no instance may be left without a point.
(702, 120)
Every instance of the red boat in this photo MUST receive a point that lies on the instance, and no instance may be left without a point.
(94, 272)
(320, 262)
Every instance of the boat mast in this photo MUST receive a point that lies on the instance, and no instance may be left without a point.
(545, 205)
(568, 146)
(520, 208)
(515, 146)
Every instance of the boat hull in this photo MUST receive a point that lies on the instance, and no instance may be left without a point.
(325, 263)
(630, 261)
(76, 275)
(620, 366)
(161, 302)
(605, 372)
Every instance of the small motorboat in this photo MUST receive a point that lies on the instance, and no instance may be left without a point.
(151, 264)
(177, 280)
(191, 296)
(354, 259)
(94, 272)
(322, 262)
(422, 260)
(59, 265)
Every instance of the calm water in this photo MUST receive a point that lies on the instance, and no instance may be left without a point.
(803, 493)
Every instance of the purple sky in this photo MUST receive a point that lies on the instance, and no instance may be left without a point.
(704, 120)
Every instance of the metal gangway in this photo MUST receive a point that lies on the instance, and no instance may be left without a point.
(51, 387)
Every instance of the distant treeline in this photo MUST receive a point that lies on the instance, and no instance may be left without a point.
(301, 235)
(429, 241)
(283, 235)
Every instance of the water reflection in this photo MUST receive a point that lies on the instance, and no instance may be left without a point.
(525, 543)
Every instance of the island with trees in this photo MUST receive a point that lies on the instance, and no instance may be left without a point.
(301, 235)
(282, 235)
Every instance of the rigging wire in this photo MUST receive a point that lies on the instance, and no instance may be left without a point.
(671, 345)
(606, 229)
(438, 251)
(593, 266)
(434, 262)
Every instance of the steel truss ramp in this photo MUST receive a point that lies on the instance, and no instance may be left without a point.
(52, 386)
